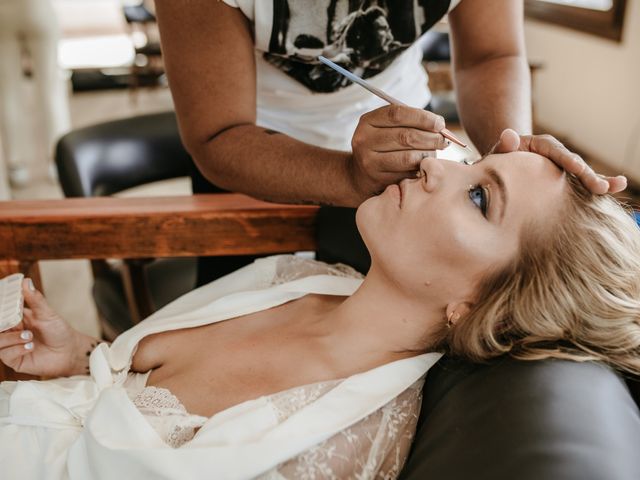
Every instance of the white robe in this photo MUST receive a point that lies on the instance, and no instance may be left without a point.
(87, 427)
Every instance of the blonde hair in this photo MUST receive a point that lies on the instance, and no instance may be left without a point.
(573, 292)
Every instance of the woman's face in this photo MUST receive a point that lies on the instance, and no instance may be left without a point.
(434, 237)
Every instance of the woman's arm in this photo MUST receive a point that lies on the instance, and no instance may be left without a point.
(209, 56)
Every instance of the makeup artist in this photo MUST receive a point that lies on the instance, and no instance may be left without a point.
(261, 115)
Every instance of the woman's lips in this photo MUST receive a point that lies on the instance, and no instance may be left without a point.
(396, 191)
(402, 186)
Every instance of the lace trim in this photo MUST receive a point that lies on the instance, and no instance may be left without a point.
(159, 401)
(290, 401)
(180, 435)
(167, 415)
(375, 447)
(290, 267)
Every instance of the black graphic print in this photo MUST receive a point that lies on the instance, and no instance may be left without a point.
(363, 36)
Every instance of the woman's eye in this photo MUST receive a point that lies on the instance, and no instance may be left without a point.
(478, 196)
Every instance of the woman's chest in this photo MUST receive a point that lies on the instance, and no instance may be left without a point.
(213, 367)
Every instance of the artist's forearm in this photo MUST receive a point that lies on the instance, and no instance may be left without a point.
(494, 95)
(275, 167)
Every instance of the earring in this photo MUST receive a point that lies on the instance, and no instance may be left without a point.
(452, 318)
(419, 174)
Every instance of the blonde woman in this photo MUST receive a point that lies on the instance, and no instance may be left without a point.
(292, 368)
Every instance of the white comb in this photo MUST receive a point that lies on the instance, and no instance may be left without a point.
(11, 301)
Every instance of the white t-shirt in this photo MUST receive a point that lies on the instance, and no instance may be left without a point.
(299, 96)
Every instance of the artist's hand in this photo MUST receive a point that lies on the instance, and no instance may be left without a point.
(553, 149)
(43, 343)
(389, 144)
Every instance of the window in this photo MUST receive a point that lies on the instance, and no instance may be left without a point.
(604, 18)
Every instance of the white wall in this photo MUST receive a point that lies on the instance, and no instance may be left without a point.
(589, 89)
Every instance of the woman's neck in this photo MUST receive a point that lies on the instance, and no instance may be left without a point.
(379, 323)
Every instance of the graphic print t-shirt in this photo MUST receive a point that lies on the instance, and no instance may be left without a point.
(375, 39)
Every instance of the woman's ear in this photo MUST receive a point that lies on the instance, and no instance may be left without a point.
(456, 311)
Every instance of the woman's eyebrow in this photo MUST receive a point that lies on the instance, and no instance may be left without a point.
(497, 179)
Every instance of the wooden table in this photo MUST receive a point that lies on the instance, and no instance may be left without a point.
(108, 227)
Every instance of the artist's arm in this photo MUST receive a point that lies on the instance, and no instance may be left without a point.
(209, 57)
(492, 81)
(491, 72)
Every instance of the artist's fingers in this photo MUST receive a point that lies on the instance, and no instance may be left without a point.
(406, 163)
(616, 184)
(404, 116)
(394, 139)
(554, 150)
(509, 141)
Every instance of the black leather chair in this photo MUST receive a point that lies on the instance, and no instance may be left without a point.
(111, 157)
(501, 421)
(550, 419)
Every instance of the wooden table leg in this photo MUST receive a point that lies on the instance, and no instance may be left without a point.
(7, 267)
(28, 269)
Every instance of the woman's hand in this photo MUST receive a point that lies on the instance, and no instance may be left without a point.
(43, 343)
(389, 144)
(553, 149)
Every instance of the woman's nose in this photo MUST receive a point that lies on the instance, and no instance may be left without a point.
(431, 171)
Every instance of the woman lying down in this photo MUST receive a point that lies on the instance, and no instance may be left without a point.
(292, 368)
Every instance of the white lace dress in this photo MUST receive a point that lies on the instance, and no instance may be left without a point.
(375, 447)
(112, 426)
